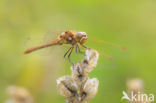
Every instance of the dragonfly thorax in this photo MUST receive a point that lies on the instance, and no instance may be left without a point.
(72, 37)
(68, 37)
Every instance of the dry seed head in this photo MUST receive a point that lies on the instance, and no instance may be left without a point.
(90, 60)
(18, 95)
(78, 73)
(79, 88)
(135, 85)
(90, 89)
(67, 87)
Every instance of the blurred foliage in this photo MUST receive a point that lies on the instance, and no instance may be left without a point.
(130, 23)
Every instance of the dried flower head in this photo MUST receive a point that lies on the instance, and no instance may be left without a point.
(135, 85)
(89, 90)
(67, 88)
(90, 60)
(79, 88)
(18, 95)
(79, 75)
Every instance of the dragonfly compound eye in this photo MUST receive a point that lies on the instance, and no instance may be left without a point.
(81, 34)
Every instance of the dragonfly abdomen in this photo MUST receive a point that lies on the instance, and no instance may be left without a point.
(55, 42)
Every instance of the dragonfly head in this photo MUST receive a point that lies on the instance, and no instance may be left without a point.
(81, 37)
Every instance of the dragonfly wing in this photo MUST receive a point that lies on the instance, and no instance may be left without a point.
(107, 43)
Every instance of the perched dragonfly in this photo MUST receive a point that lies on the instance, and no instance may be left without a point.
(67, 37)
(71, 37)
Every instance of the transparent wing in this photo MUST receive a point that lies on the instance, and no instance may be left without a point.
(51, 35)
(46, 38)
(103, 42)
(110, 53)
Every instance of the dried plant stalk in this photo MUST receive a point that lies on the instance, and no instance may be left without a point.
(79, 88)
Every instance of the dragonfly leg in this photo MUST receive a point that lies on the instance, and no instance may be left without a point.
(83, 46)
(79, 50)
(67, 52)
(76, 48)
(71, 50)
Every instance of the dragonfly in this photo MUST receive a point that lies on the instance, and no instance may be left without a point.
(71, 37)
(75, 39)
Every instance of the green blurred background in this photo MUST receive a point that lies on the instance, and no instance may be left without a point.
(130, 23)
